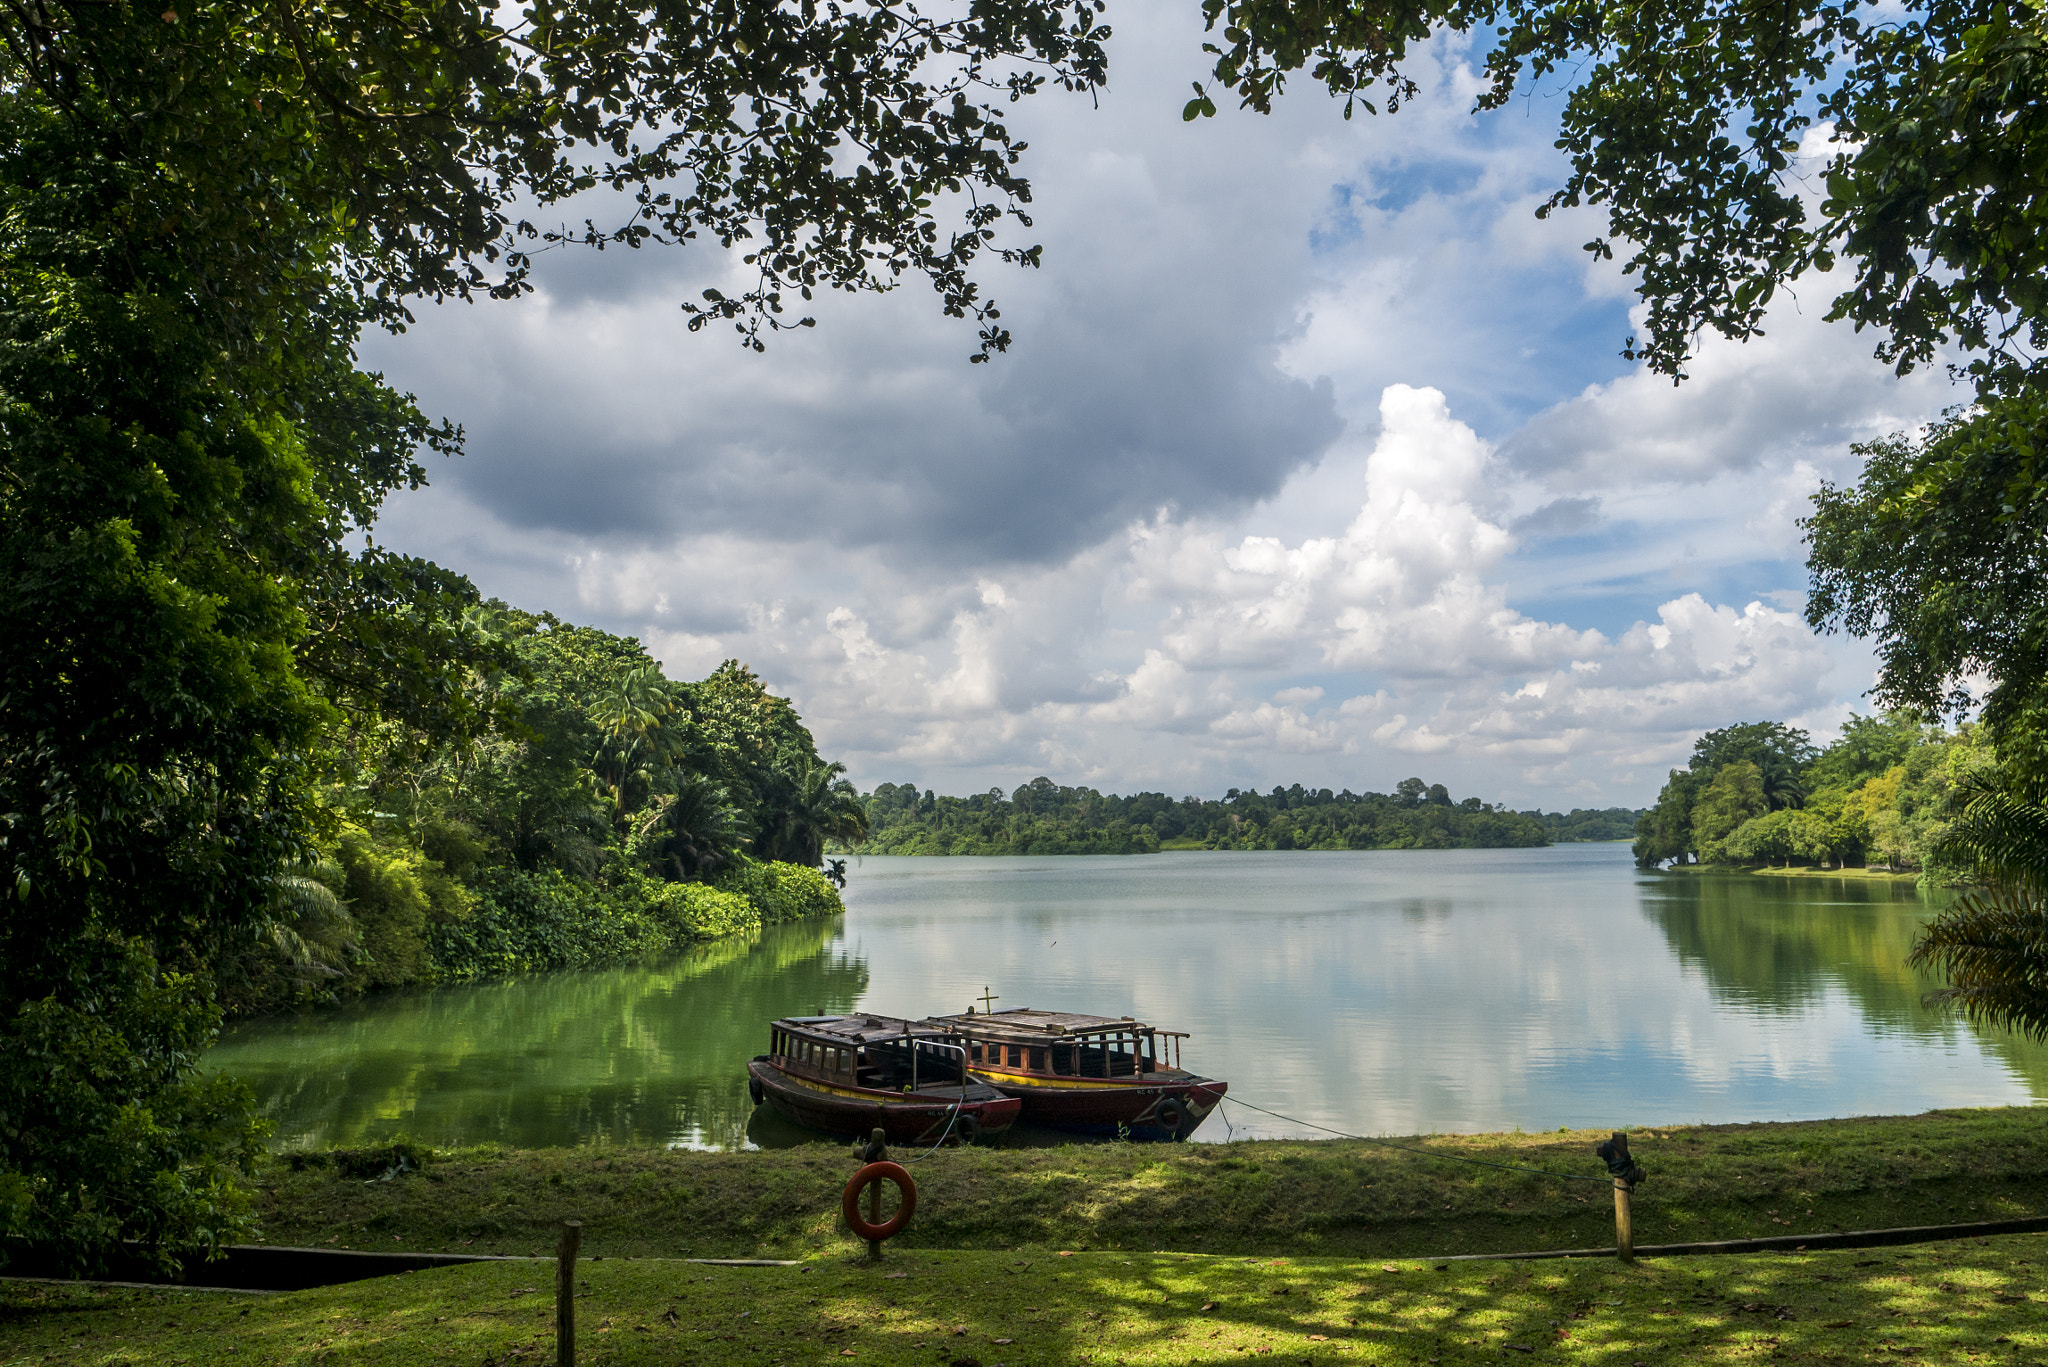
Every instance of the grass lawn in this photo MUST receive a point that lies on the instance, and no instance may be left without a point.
(1334, 1198)
(1281, 1252)
(1970, 1305)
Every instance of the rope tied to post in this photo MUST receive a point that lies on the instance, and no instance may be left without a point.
(1425, 1153)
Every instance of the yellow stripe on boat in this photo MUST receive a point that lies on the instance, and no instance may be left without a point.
(995, 1076)
(884, 1098)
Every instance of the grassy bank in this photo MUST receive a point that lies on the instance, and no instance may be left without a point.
(1958, 1304)
(1270, 1198)
(1801, 871)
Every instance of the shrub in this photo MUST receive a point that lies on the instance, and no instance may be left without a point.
(525, 922)
(693, 911)
(783, 892)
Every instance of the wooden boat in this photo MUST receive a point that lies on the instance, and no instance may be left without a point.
(850, 1075)
(1096, 1074)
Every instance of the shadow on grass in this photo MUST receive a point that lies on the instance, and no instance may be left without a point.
(1966, 1305)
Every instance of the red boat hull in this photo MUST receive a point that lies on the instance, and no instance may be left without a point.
(904, 1118)
(1136, 1106)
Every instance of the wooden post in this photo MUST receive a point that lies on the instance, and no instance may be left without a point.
(877, 1151)
(565, 1293)
(1615, 1151)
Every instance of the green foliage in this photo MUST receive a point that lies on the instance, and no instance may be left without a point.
(184, 466)
(1991, 946)
(1779, 752)
(200, 208)
(693, 911)
(1868, 747)
(1883, 793)
(106, 1132)
(583, 830)
(1732, 796)
(1589, 824)
(1923, 553)
(1665, 831)
(527, 922)
(1042, 817)
(1781, 837)
(782, 892)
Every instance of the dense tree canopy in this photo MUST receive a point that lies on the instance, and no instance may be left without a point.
(200, 207)
(1885, 793)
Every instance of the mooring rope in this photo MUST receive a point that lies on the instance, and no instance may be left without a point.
(1410, 1148)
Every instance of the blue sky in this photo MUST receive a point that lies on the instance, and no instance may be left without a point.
(1314, 460)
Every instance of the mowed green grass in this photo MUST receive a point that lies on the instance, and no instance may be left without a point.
(1966, 1304)
(1334, 1198)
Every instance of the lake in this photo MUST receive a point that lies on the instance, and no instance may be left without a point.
(1371, 992)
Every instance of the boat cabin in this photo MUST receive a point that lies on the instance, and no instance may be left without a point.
(1063, 1044)
(878, 1052)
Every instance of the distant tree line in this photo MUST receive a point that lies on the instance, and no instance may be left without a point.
(1763, 793)
(1042, 817)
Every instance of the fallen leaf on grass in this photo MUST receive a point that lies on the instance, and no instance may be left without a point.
(958, 1330)
(1207, 1306)
(1002, 1340)
(1318, 1338)
(1388, 1267)
(894, 1276)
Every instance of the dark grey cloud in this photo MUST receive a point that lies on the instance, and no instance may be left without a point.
(1145, 375)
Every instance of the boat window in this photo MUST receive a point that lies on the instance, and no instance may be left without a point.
(1038, 1059)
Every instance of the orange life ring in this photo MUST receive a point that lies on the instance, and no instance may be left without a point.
(849, 1203)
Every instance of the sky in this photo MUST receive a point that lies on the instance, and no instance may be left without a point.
(1314, 460)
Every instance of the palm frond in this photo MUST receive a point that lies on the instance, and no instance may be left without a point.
(312, 929)
(1992, 948)
(2000, 831)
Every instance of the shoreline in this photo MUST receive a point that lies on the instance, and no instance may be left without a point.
(1263, 1197)
(1847, 874)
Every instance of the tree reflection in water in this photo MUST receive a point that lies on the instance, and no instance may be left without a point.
(1779, 945)
(643, 1054)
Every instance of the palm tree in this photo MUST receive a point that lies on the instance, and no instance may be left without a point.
(694, 831)
(310, 928)
(633, 717)
(1992, 945)
(820, 805)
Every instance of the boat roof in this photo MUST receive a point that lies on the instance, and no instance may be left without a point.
(1023, 1020)
(860, 1028)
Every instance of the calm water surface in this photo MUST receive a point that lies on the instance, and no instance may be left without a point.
(1375, 992)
